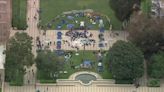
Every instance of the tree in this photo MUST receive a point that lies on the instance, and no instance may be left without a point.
(126, 61)
(18, 55)
(147, 33)
(157, 65)
(123, 8)
(48, 64)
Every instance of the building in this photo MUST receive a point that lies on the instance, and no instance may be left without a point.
(2, 62)
(5, 20)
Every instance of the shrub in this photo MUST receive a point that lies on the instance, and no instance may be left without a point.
(124, 81)
(154, 83)
(47, 81)
(16, 83)
(19, 11)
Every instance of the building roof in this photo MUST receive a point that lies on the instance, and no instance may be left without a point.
(2, 56)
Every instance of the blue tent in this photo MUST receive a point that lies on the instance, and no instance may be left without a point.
(58, 42)
(58, 45)
(59, 52)
(87, 62)
(59, 33)
(70, 26)
(101, 45)
(102, 29)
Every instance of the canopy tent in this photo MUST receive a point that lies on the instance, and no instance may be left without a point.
(59, 35)
(70, 26)
(82, 23)
(87, 64)
(99, 64)
(58, 45)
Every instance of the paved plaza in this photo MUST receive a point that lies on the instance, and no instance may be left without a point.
(31, 84)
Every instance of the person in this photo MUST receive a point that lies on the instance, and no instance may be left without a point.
(28, 81)
(47, 88)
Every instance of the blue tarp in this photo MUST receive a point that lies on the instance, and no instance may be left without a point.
(102, 29)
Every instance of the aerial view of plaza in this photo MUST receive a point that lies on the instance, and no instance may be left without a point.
(81, 45)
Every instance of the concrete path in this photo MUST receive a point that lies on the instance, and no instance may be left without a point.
(32, 30)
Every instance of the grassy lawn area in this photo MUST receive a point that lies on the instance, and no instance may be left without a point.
(19, 11)
(77, 60)
(51, 8)
(146, 6)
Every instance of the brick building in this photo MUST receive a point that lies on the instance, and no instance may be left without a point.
(5, 20)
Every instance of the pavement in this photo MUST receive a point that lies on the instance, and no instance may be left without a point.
(32, 85)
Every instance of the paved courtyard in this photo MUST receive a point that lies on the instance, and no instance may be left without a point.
(32, 86)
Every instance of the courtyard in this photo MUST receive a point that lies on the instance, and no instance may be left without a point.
(75, 59)
(51, 9)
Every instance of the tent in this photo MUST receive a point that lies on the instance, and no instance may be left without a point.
(70, 26)
(102, 29)
(59, 35)
(58, 45)
(87, 64)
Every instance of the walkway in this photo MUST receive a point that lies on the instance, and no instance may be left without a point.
(33, 6)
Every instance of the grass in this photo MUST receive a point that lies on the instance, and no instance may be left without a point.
(146, 6)
(77, 60)
(51, 8)
(19, 11)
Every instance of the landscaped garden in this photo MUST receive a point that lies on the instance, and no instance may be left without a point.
(19, 11)
(74, 62)
(50, 9)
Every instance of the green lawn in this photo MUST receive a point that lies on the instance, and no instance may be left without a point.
(146, 6)
(19, 11)
(77, 60)
(51, 8)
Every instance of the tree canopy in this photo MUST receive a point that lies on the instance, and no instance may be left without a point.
(18, 55)
(125, 61)
(147, 33)
(157, 65)
(48, 64)
(123, 8)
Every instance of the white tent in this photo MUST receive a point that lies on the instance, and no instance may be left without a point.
(99, 64)
(82, 23)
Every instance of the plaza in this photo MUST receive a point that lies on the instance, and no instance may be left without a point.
(81, 50)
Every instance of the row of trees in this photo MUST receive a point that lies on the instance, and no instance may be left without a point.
(146, 41)
(148, 34)
(18, 56)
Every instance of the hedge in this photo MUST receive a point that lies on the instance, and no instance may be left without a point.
(153, 83)
(124, 81)
(19, 11)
